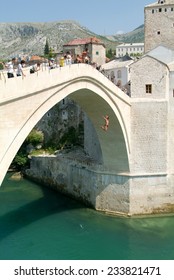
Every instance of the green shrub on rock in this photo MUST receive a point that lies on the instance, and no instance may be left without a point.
(35, 137)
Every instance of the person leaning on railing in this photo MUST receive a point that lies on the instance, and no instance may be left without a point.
(35, 68)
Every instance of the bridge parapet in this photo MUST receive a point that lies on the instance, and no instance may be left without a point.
(46, 78)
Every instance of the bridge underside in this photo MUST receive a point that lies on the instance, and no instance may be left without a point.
(113, 147)
(19, 116)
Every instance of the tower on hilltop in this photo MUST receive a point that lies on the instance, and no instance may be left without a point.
(159, 24)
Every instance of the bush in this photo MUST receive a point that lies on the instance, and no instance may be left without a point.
(20, 161)
(35, 137)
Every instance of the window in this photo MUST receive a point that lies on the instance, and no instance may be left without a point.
(158, 32)
(148, 88)
(97, 53)
(112, 76)
(160, 10)
(171, 9)
(173, 92)
(119, 74)
(152, 11)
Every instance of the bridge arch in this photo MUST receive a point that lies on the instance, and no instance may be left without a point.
(95, 94)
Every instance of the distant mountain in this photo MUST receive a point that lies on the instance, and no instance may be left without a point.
(30, 38)
(135, 36)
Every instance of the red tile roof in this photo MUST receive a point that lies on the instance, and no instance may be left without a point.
(35, 57)
(84, 41)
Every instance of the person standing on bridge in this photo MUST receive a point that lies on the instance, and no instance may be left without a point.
(20, 71)
(10, 67)
(106, 125)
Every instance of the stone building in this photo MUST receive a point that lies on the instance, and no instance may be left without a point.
(159, 24)
(95, 48)
(152, 94)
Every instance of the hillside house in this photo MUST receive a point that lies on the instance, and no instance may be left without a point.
(94, 48)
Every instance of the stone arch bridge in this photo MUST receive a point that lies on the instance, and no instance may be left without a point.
(120, 184)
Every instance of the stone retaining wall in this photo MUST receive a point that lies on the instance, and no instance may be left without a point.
(112, 193)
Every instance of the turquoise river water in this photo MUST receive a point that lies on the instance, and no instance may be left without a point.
(38, 223)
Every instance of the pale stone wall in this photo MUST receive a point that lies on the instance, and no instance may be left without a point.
(149, 118)
(146, 71)
(170, 146)
(159, 25)
(83, 181)
(98, 54)
(152, 194)
(125, 76)
(149, 137)
(112, 193)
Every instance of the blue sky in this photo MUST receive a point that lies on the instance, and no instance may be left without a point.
(104, 17)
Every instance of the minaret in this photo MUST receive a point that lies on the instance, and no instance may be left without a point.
(159, 24)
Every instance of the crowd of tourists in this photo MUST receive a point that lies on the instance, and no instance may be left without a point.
(16, 68)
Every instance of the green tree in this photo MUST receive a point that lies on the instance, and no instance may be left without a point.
(50, 55)
(47, 48)
(110, 54)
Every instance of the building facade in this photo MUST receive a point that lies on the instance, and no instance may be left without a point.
(130, 49)
(93, 46)
(159, 24)
(152, 94)
(118, 72)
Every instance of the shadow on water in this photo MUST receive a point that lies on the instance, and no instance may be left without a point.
(30, 212)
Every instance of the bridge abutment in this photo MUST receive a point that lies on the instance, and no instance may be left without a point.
(116, 194)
